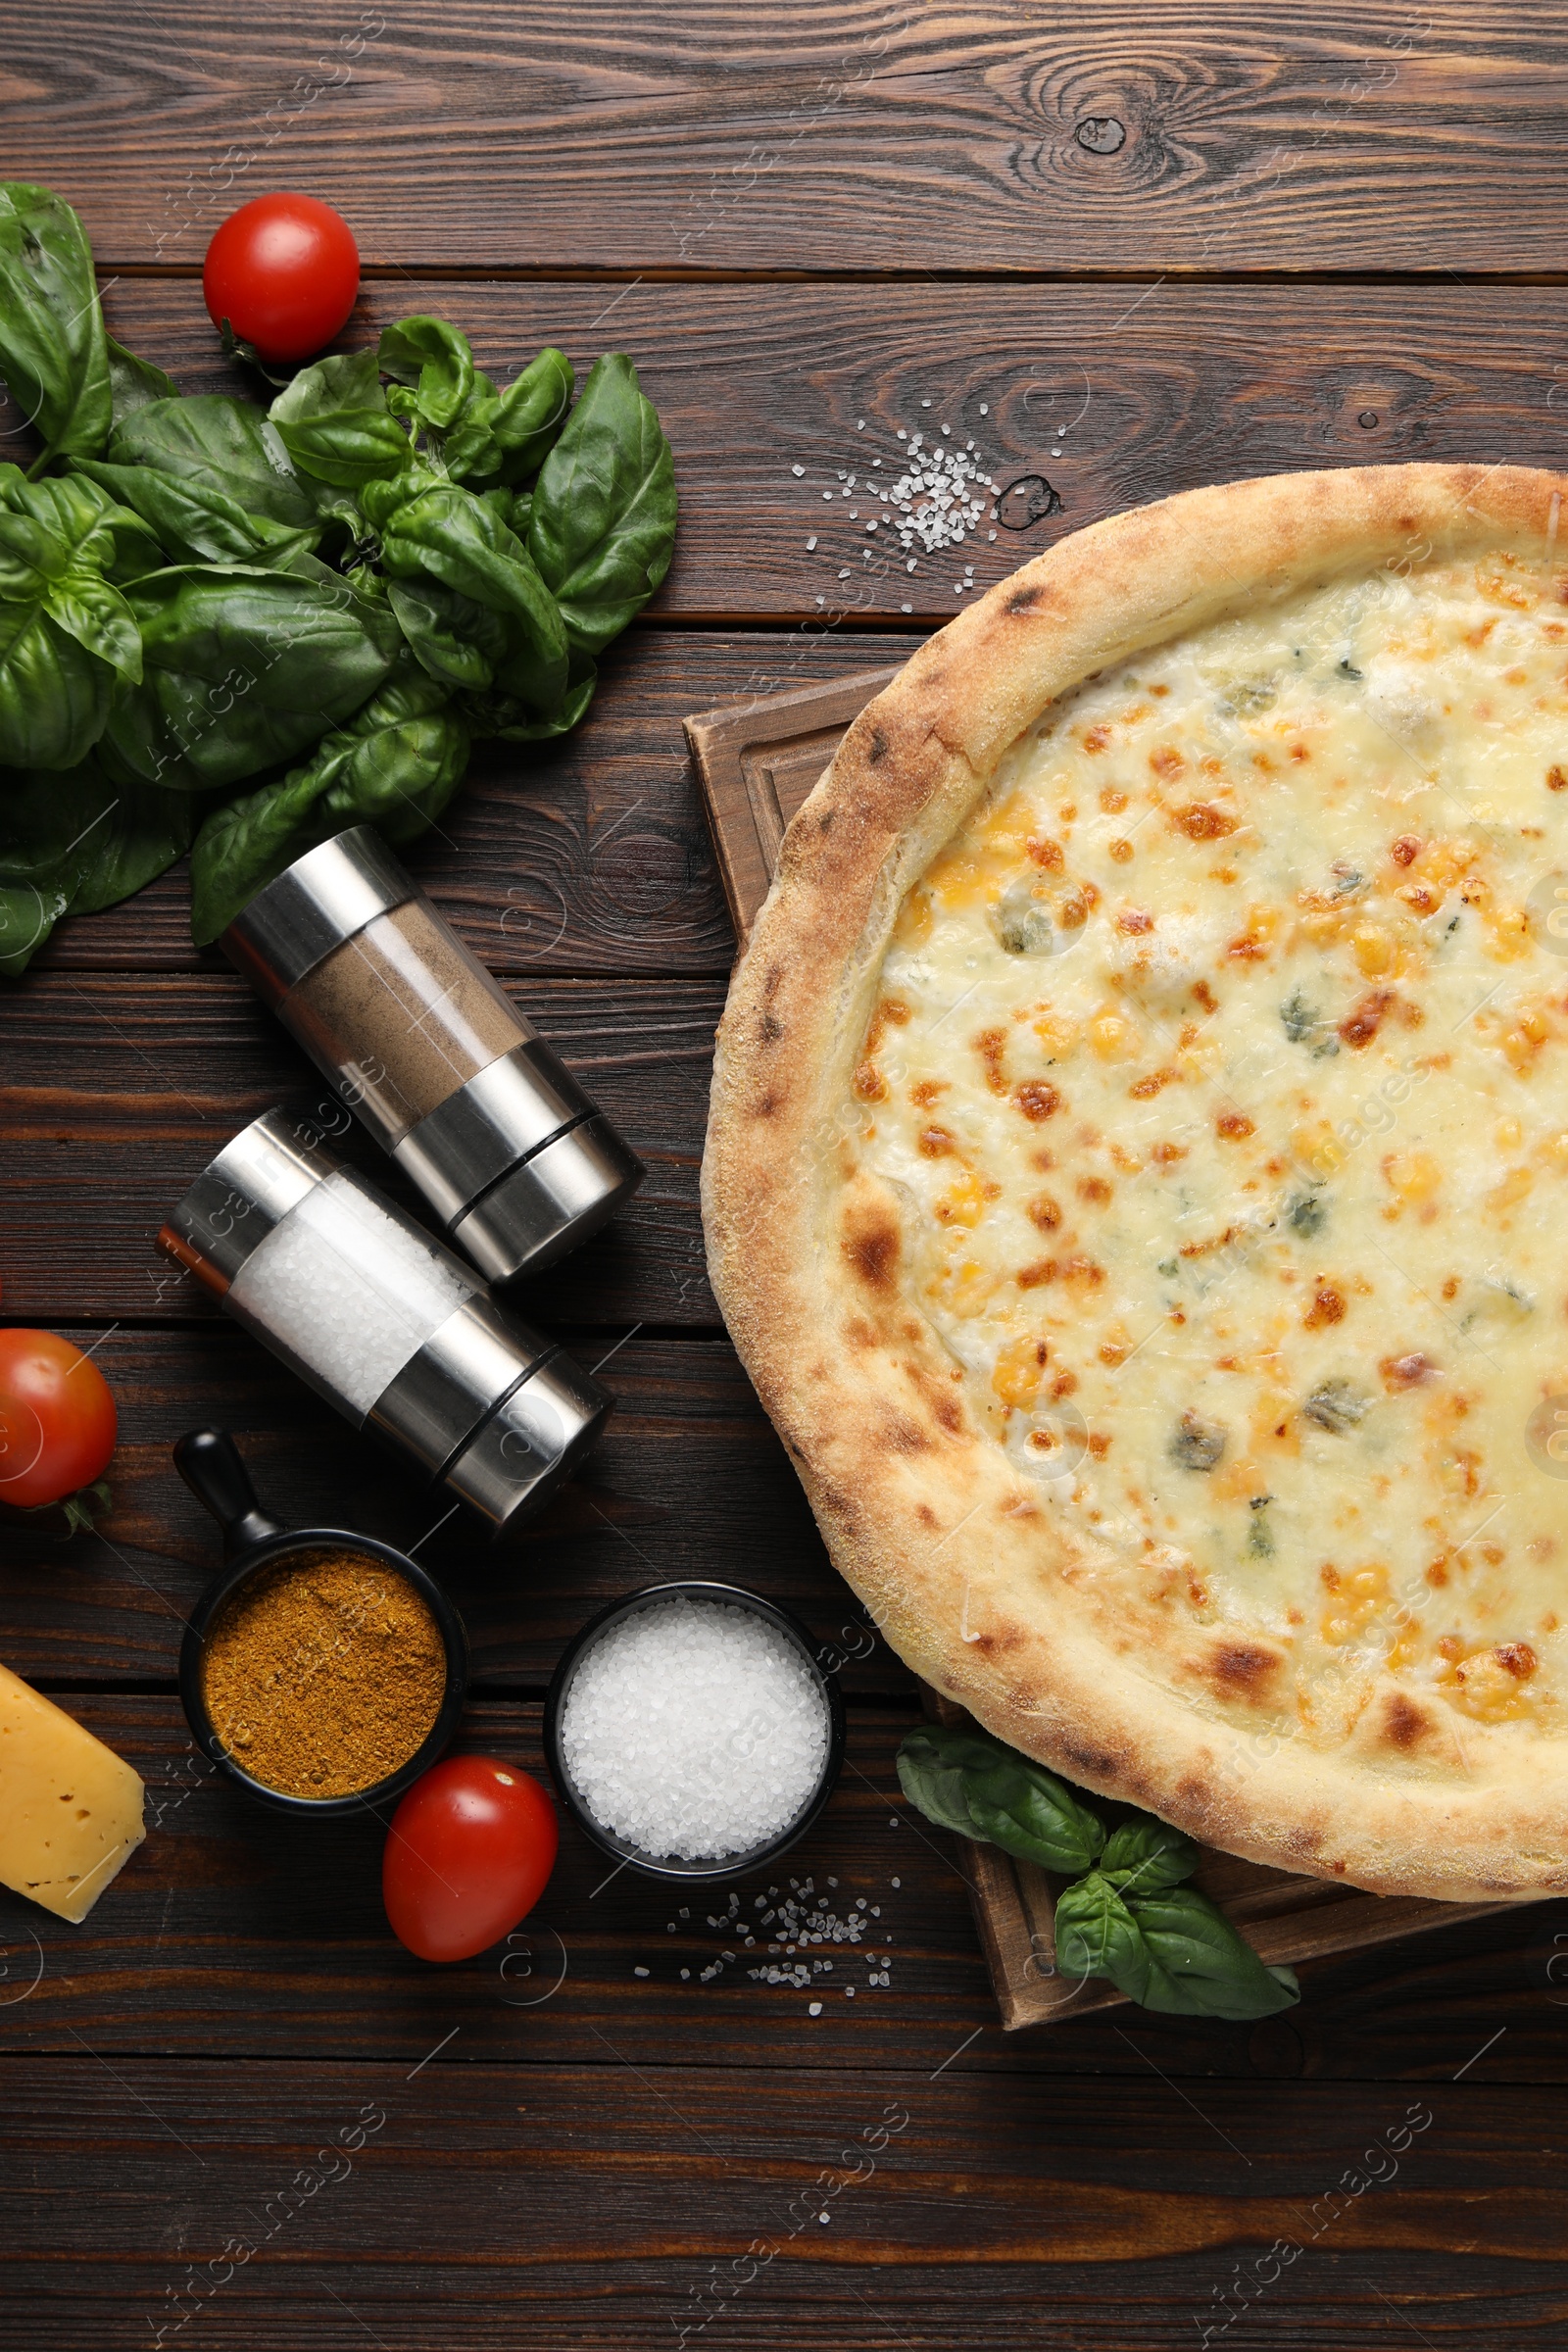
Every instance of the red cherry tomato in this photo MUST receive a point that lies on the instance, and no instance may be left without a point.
(284, 272)
(57, 1418)
(468, 1855)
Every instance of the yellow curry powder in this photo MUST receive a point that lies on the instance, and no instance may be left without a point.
(323, 1674)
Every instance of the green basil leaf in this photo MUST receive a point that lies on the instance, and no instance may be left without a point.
(602, 524)
(449, 535)
(1143, 1855)
(436, 358)
(219, 444)
(531, 415)
(73, 842)
(53, 351)
(395, 765)
(988, 1790)
(335, 424)
(134, 382)
(460, 643)
(194, 523)
(1199, 1965)
(243, 669)
(1028, 1812)
(65, 631)
(931, 1765)
(1096, 1935)
(55, 696)
(97, 615)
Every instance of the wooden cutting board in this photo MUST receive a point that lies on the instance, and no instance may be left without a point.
(756, 763)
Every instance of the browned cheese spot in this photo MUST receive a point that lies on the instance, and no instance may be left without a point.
(1036, 1098)
(1044, 1212)
(869, 1083)
(937, 1144)
(1327, 1307)
(1094, 1187)
(1143, 1090)
(1360, 1026)
(1200, 821)
(1167, 762)
(1044, 853)
(1233, 1127)
(1402, 1372)
(1516, 1658)
(992, 1045)
(1557, 779)
(1407, 850)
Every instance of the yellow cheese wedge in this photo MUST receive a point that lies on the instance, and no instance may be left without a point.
(69, 1807)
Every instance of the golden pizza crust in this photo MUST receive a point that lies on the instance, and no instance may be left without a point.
(953, 1551)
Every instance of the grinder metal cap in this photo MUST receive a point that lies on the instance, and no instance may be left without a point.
(316, 904)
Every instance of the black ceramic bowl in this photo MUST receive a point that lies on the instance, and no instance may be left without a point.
(209, 1462)
(667, 1867)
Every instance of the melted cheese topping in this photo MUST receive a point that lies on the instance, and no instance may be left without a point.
(1221, 1065)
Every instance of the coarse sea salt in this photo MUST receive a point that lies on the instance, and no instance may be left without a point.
(695, 1730)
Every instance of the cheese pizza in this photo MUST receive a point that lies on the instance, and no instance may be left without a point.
(1138, 1158)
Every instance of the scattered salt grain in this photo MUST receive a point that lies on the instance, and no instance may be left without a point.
(811, 542)
(797, 470)
(898, 1882)
(639, 1972)
(815, 2009)
(984, 410)
(695, 1730)
(905, 607)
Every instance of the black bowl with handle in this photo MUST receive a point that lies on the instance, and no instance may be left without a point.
(209, 1462)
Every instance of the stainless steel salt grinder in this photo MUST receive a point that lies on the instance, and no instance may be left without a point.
(418, 1040)
(395, 1331)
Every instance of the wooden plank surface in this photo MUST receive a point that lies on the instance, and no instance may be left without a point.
(599, 2208)
(112, 1608)
(119, 1099)
(832, 135)
(1144, 389)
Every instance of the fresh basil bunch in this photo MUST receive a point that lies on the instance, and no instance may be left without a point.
(248, 629)
(1126, 1915)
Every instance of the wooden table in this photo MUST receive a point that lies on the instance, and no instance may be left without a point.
(1176, 245)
